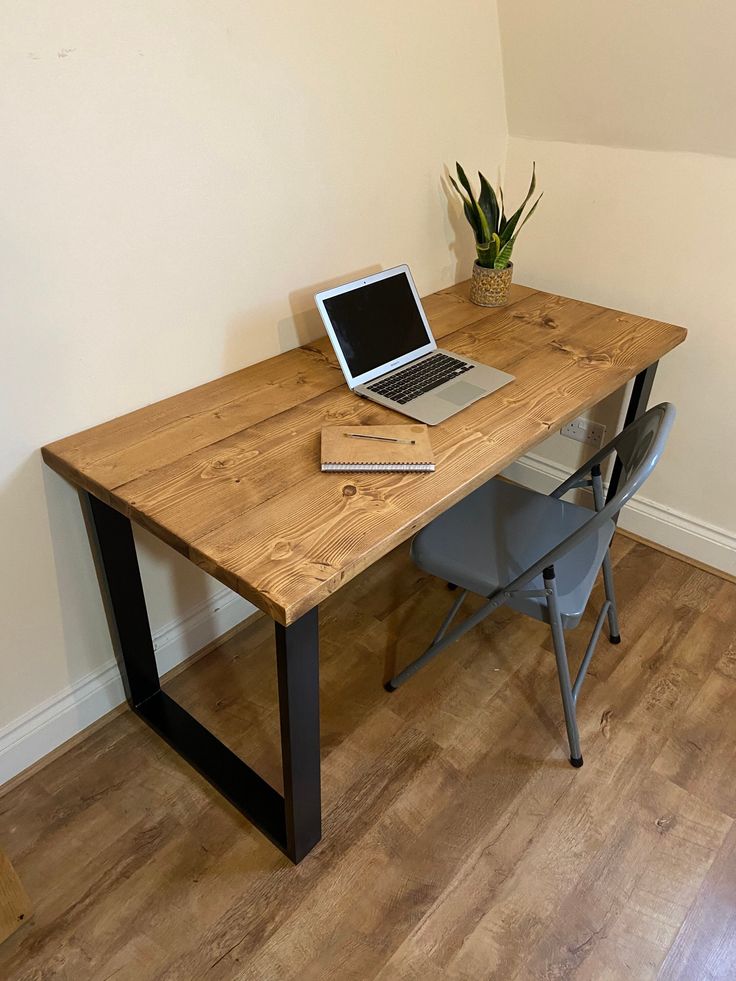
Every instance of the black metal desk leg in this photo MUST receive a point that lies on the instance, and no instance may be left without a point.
(113, 550)
(297, 653)
(638, 402)
(292, 822)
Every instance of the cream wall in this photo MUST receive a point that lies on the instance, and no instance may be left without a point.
(646, 226)
(656, 75)
(177, 179)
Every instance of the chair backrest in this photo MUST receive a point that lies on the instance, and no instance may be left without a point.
(639, 447)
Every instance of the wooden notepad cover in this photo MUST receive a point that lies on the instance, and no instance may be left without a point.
(341, 452)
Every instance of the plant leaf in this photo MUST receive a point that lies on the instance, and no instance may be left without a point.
(464, 181)
(470, 212)
(504, 255)
(485, 235)
(529, 214)
(488, 203)
(454, 184)
(486, 231)
(510, 226)
(473, 221)
(502, 220)
(487, 252)
(485, 255)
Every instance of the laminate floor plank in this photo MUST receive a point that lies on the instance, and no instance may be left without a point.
(458, 843)
(705, 946)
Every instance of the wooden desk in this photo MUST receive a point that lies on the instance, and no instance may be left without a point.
(228, 474)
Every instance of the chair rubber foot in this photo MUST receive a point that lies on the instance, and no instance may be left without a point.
(576, 761)
(615, 638)
(452, 585)
(389, 687)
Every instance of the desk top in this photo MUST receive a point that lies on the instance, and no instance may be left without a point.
(228, 473)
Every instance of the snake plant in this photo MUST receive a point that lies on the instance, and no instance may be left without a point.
(495, 234)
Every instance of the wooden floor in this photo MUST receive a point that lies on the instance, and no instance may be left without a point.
(458, 843)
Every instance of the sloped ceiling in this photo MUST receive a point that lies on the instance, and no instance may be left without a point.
(650, 74)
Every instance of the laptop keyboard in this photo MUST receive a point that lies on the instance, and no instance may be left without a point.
(419, 378)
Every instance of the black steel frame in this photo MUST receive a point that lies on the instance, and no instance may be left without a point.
(638, 403)
(292, 822)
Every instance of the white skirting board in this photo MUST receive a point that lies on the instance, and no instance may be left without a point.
(691, 537)
(39, 731)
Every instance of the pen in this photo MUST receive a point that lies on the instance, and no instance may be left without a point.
(384, 439)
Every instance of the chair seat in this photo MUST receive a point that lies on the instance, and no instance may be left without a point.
(498, 532)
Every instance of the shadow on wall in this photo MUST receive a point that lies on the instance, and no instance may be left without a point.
(249, 333)
(305, 323)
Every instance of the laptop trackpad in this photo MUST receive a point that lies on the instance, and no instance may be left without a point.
(460, 393)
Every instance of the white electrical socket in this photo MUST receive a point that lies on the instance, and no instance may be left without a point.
(585, 431)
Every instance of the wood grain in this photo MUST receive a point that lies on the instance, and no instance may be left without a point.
(15, 906)
(710, 569)
(228, 474)
(459, 844)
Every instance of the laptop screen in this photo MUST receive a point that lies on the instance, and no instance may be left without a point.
(376, 323)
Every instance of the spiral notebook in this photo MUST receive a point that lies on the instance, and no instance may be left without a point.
(377, 448)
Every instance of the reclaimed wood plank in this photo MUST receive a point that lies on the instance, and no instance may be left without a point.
(228, 473)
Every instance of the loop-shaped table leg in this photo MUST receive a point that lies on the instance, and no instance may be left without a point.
(292, 822)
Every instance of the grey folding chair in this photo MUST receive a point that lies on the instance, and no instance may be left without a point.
(539, 554)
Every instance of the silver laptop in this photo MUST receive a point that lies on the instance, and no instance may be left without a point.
(387, 353)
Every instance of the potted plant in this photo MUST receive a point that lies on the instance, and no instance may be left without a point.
(495, 237)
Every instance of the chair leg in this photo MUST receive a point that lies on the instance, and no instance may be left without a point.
(393, 683)
(563, 669)
(614, 633)
(451, 614)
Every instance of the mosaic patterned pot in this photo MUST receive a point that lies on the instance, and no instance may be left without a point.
(490, 287)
